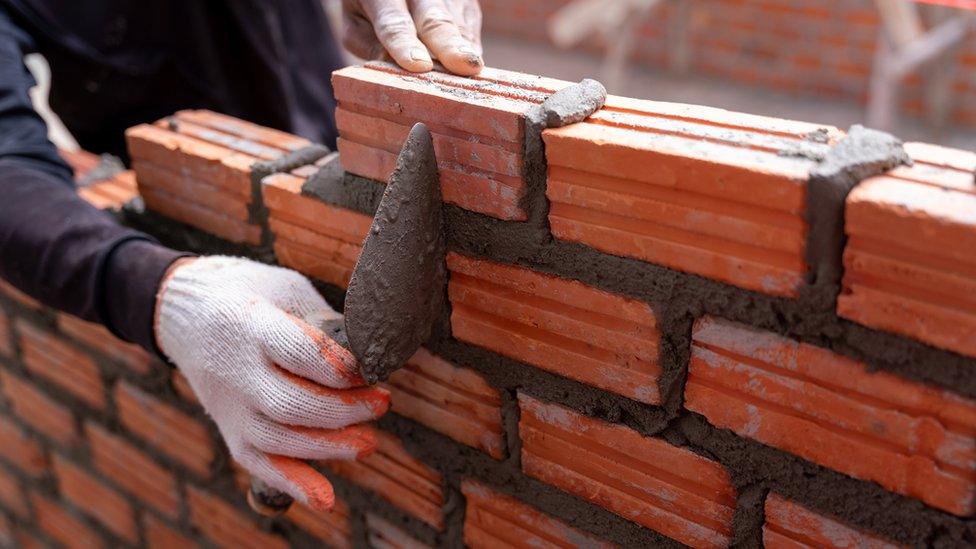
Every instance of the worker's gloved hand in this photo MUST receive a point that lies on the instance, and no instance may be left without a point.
(277, 387)
(413, 31)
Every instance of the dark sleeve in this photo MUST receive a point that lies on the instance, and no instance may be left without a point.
(54, 246)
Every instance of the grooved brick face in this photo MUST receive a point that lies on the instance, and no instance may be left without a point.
(49, 356)
(909, 438)
(312, 237)
(559, 325)
(62, 526)
(331, 527)
(20, 449)
(132, 470)
(225, 525)
(455, 401)
(195, 167)
(477, 125)
(96, 499)
(492, 519)
(703, 191)
(106, 193)
(39, 410)
(789, 525)
(97, 337)
(646, 480)
(169, 430)
(909, 266)
(396, 476)
(161, 536)
(383, 533)
(12, 494)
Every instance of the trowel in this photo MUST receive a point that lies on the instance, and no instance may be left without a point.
(397, 287)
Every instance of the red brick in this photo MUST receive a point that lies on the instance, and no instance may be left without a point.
(396, 476)
(493, 519)
(20, 449)
(646, 480)
(26, 540)
(789, 525)
(908, 262)
(169, 430)
(95, 336)
(132, 470)
(113, 193)
(12, 497)
(283, 141)
(6, 344)
(62, 526)
(204, 161)
(182, 126)
(477, 125)
(383, 534)
(722, 201)
(200, 217)
(82, 162)
(559, 325)
(19, 297)
(225, 525)
(161, 536)
(909, 438)
(154, 177)
(182, 387)
(49, 356)
(39, 410)
(455, 401)
(331, 527)
(312, 237)
(96, 499)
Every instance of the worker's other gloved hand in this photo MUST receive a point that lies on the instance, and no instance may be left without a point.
(412, 31)
(277, 387)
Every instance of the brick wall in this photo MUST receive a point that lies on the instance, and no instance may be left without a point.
(635, 350)
(821, 48)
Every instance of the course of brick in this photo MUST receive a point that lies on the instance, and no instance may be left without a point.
(642, 345)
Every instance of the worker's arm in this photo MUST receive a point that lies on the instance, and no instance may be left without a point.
(54, 246)
(278, 388)
(411, 32)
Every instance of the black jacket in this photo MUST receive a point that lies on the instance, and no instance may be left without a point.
(115, 64)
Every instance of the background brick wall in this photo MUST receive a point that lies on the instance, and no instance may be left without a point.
(821, 48)
(637, 383)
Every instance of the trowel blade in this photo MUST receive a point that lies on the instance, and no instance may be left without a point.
(397, 287)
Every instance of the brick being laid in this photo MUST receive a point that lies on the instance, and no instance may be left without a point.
(703, 191)
(647, 480)
(910, 438)
(452, 400)
(318, 239)
(396, 476)
(195, 167)
(909, 266)
(493, 519)
(477, 124)
(791, 526)
(561, 326)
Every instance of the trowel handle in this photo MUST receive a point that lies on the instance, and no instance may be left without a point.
(266, 500)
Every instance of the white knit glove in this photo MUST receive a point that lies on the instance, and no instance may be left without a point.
(277, 388)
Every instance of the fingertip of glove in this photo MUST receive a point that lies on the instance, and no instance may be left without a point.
(313, 489)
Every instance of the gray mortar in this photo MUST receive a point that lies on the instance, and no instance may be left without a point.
(574, 103)
(257, 213)
(397, 288)
(860, 154)
(331, 184)
(108, 167)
